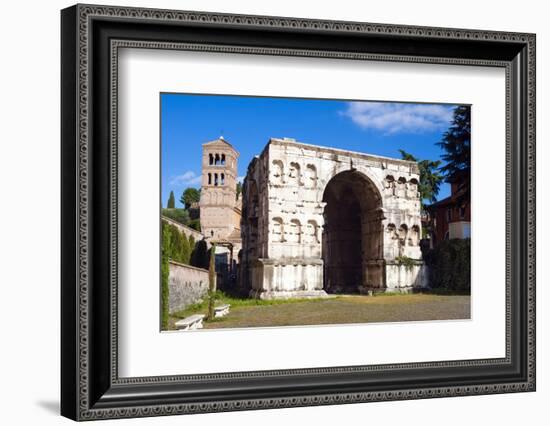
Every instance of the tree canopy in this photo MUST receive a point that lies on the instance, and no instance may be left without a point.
(456, 144)
(239, 189)
(179, 215)
(195, 224)
(175, 244)
(190, 196)
(171, 201)
(430, 178)
(199, 257)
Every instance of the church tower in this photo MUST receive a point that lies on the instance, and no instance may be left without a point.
(220, 212)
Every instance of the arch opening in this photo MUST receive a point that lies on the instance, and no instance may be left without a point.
(352, 239)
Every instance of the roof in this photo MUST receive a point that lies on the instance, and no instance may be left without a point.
(455, 198)
(440, 203)
(291, 141)
(219, 141)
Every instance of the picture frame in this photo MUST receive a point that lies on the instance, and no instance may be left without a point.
(90, 385)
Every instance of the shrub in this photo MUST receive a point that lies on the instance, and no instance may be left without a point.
(191, 245)
(449, 265)
(176, 244)
(212, 282)
(165, 272)
(179, 215)
(405, 261)
(185, 249)
(199, 257)
(195, 224)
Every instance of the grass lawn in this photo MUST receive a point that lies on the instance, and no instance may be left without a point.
(335, 310)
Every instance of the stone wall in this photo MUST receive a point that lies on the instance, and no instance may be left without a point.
(185, 229)
(186, 284)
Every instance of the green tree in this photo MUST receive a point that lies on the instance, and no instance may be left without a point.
(176, 243)
(212, 282)
(165, 273)
(185, 249)
(171, 201)
(430, 177)
(179, 215)
(449, 265)
(191, 245)
(190, 196)
(199, 257)
(456, 144)
(239, 189)
(195, 224)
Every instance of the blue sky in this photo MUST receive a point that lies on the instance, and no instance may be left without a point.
(380, 128)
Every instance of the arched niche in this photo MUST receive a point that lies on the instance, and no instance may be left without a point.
(310, 176)
(294, 234)
(414, 236)
(312, 232)
(277, 172)
(277, 229)
(294, 174)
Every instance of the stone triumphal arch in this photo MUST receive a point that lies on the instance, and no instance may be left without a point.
(320, 220)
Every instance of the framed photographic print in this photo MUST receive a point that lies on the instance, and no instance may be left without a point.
(263, 212)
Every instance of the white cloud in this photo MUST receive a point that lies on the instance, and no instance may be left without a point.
(398, 117)
(187, 178)
(240, 179)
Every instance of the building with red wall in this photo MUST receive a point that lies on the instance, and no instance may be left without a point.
(450, 217)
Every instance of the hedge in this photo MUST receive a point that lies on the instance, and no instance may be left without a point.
(165, 272)
(449, 265)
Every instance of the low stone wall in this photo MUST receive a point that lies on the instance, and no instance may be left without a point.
(402, 278)
(186, 285)
(185, 229)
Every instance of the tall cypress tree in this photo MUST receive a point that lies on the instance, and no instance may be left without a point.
(212, 282)
(185, 249)
(456, 144)
(171, 201)
(239, 189)
(176, 244)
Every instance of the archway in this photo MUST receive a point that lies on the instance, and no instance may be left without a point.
(352, 245)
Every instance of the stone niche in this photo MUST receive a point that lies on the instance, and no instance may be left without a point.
(319, 220)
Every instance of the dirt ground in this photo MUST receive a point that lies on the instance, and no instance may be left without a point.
(346, 310)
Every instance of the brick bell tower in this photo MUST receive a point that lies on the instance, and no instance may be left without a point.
(220, 212)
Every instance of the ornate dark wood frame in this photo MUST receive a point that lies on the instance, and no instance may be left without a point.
(91, 37)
